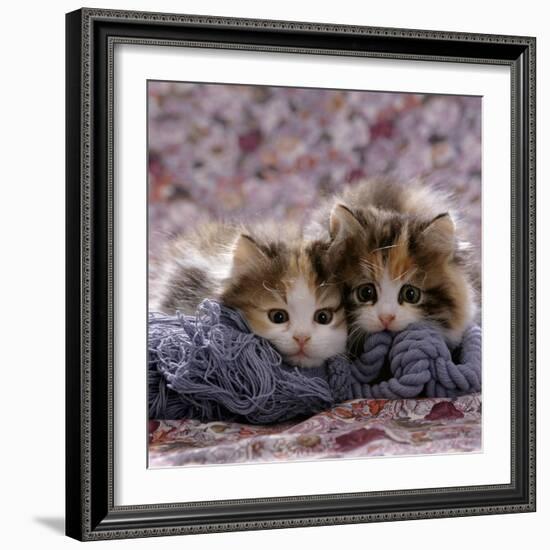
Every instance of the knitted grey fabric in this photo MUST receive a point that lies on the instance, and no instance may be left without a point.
(210, 366)
(420, 362)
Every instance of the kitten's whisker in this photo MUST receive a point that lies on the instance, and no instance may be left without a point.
(273, 290)
(355, 334)
(370, 265)
(326, 283)
(353, 343)
(414, 269)
(355, 339)
(386, 247)
(367, 262)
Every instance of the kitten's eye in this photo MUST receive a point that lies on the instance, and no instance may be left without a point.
(277, 316)
(323, 316)
(366, 293)
(409, 294)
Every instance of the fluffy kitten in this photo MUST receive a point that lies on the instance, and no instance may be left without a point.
(280, 283)
(400, 257)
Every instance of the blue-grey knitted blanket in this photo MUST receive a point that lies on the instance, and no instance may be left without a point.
(212, 367)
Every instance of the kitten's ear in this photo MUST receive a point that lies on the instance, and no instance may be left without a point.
(439, 235)
(342, 223)
(246, 254)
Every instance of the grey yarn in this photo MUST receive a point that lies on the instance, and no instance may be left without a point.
(210, 366)
(420, 362)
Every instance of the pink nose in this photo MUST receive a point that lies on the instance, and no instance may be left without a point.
(302, 340)
(386, 320)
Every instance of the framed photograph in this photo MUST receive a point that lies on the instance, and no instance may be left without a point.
(300, 274)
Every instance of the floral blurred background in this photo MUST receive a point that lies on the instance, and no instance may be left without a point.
(246, 152)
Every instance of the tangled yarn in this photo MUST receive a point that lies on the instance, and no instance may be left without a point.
(212, 367)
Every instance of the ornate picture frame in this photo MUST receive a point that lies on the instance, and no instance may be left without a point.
(91, 512)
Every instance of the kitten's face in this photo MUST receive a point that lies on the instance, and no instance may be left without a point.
(400, 270)
(287, 297)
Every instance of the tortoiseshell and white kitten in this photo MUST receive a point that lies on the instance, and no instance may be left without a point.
(400, 257)
(279, 282)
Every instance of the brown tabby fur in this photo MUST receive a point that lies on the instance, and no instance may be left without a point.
(406, 230)
(259, 279)
(268, 278)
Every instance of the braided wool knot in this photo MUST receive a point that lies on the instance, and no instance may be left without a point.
(420, 362)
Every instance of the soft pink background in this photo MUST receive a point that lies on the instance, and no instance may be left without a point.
(247, 152)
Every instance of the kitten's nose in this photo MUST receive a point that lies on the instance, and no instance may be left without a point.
(301, 339)
(386, 319)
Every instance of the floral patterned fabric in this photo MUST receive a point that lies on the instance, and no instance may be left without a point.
(358, 428)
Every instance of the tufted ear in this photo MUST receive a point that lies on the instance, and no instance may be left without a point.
(247, 254)
(439, 235)
(343, 223)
